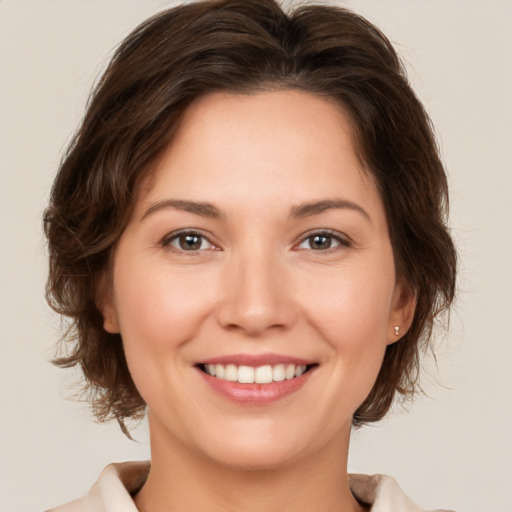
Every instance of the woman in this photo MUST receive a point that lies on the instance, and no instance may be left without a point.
(248, 233)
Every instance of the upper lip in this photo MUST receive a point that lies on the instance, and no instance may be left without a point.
(256, 360)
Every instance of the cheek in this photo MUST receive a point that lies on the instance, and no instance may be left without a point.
(159, 308)
(351, 311)
(351, 300)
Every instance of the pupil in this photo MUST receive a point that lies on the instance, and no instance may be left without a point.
(190, 242)
(321, 242)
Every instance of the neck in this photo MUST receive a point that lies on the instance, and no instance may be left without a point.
(181, 479)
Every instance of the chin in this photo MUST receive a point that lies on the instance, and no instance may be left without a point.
(264, 447)
(256, 457)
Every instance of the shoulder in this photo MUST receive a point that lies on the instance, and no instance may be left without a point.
(383, 494)
(112, 491)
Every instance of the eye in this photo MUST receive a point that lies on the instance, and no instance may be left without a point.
(189, 241)
(323, 241)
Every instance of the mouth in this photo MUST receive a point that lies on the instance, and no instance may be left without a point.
(263, 374)
(256, 380)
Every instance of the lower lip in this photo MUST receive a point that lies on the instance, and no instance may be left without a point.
(256, 394)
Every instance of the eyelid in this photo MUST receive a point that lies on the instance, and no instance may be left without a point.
(168, 238)
(344, 240)
(341, 238)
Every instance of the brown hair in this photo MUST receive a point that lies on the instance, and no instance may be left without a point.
(242, 46)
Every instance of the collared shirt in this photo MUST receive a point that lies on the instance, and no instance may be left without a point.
(118, 482)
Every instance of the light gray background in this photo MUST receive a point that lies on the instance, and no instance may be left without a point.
(454, 448)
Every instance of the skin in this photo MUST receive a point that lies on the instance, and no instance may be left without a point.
(256, 285)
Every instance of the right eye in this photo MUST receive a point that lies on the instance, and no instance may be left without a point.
(189, 241)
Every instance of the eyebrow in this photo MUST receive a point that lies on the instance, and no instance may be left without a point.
(317, 207)
(299, 211)
(203, 209)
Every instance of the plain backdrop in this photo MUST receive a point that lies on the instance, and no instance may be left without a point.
(453, 448)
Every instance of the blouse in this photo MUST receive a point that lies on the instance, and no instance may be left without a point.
(118, 482)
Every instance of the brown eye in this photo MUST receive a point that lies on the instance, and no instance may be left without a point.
(320, 242)
(189, 241)
(323, 241)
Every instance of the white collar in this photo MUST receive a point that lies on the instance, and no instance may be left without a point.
(119, 481)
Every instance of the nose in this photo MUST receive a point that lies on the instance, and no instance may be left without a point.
(256, 297)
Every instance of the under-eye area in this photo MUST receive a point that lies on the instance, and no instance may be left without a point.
(255, 375)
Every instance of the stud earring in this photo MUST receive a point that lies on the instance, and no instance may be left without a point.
(397, 330)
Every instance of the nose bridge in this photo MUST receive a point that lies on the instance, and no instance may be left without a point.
(256, 296)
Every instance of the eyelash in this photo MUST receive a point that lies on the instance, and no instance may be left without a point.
(341, 241)
(167, 241)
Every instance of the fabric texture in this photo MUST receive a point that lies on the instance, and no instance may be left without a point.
(117, 482)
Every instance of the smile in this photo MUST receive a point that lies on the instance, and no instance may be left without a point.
(256, 380)
(254, 375)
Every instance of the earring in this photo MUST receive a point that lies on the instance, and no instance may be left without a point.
(397, 330)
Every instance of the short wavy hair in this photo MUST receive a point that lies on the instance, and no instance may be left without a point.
(242, 46)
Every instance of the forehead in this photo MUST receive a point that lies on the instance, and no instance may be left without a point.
(256, 146)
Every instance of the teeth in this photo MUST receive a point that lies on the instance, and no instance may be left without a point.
(219, 371)
(231, 373)
(245, 374)
(299, 370)
(259, 375)
(278, 373)
(289, 372)
(263, 374)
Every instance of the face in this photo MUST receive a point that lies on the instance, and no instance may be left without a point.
(254, 287)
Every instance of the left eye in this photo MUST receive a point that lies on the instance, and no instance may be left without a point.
(189, 241)
(321, 242)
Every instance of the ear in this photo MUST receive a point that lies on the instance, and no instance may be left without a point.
(106, 304)
(402, 311)
(110, 322)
